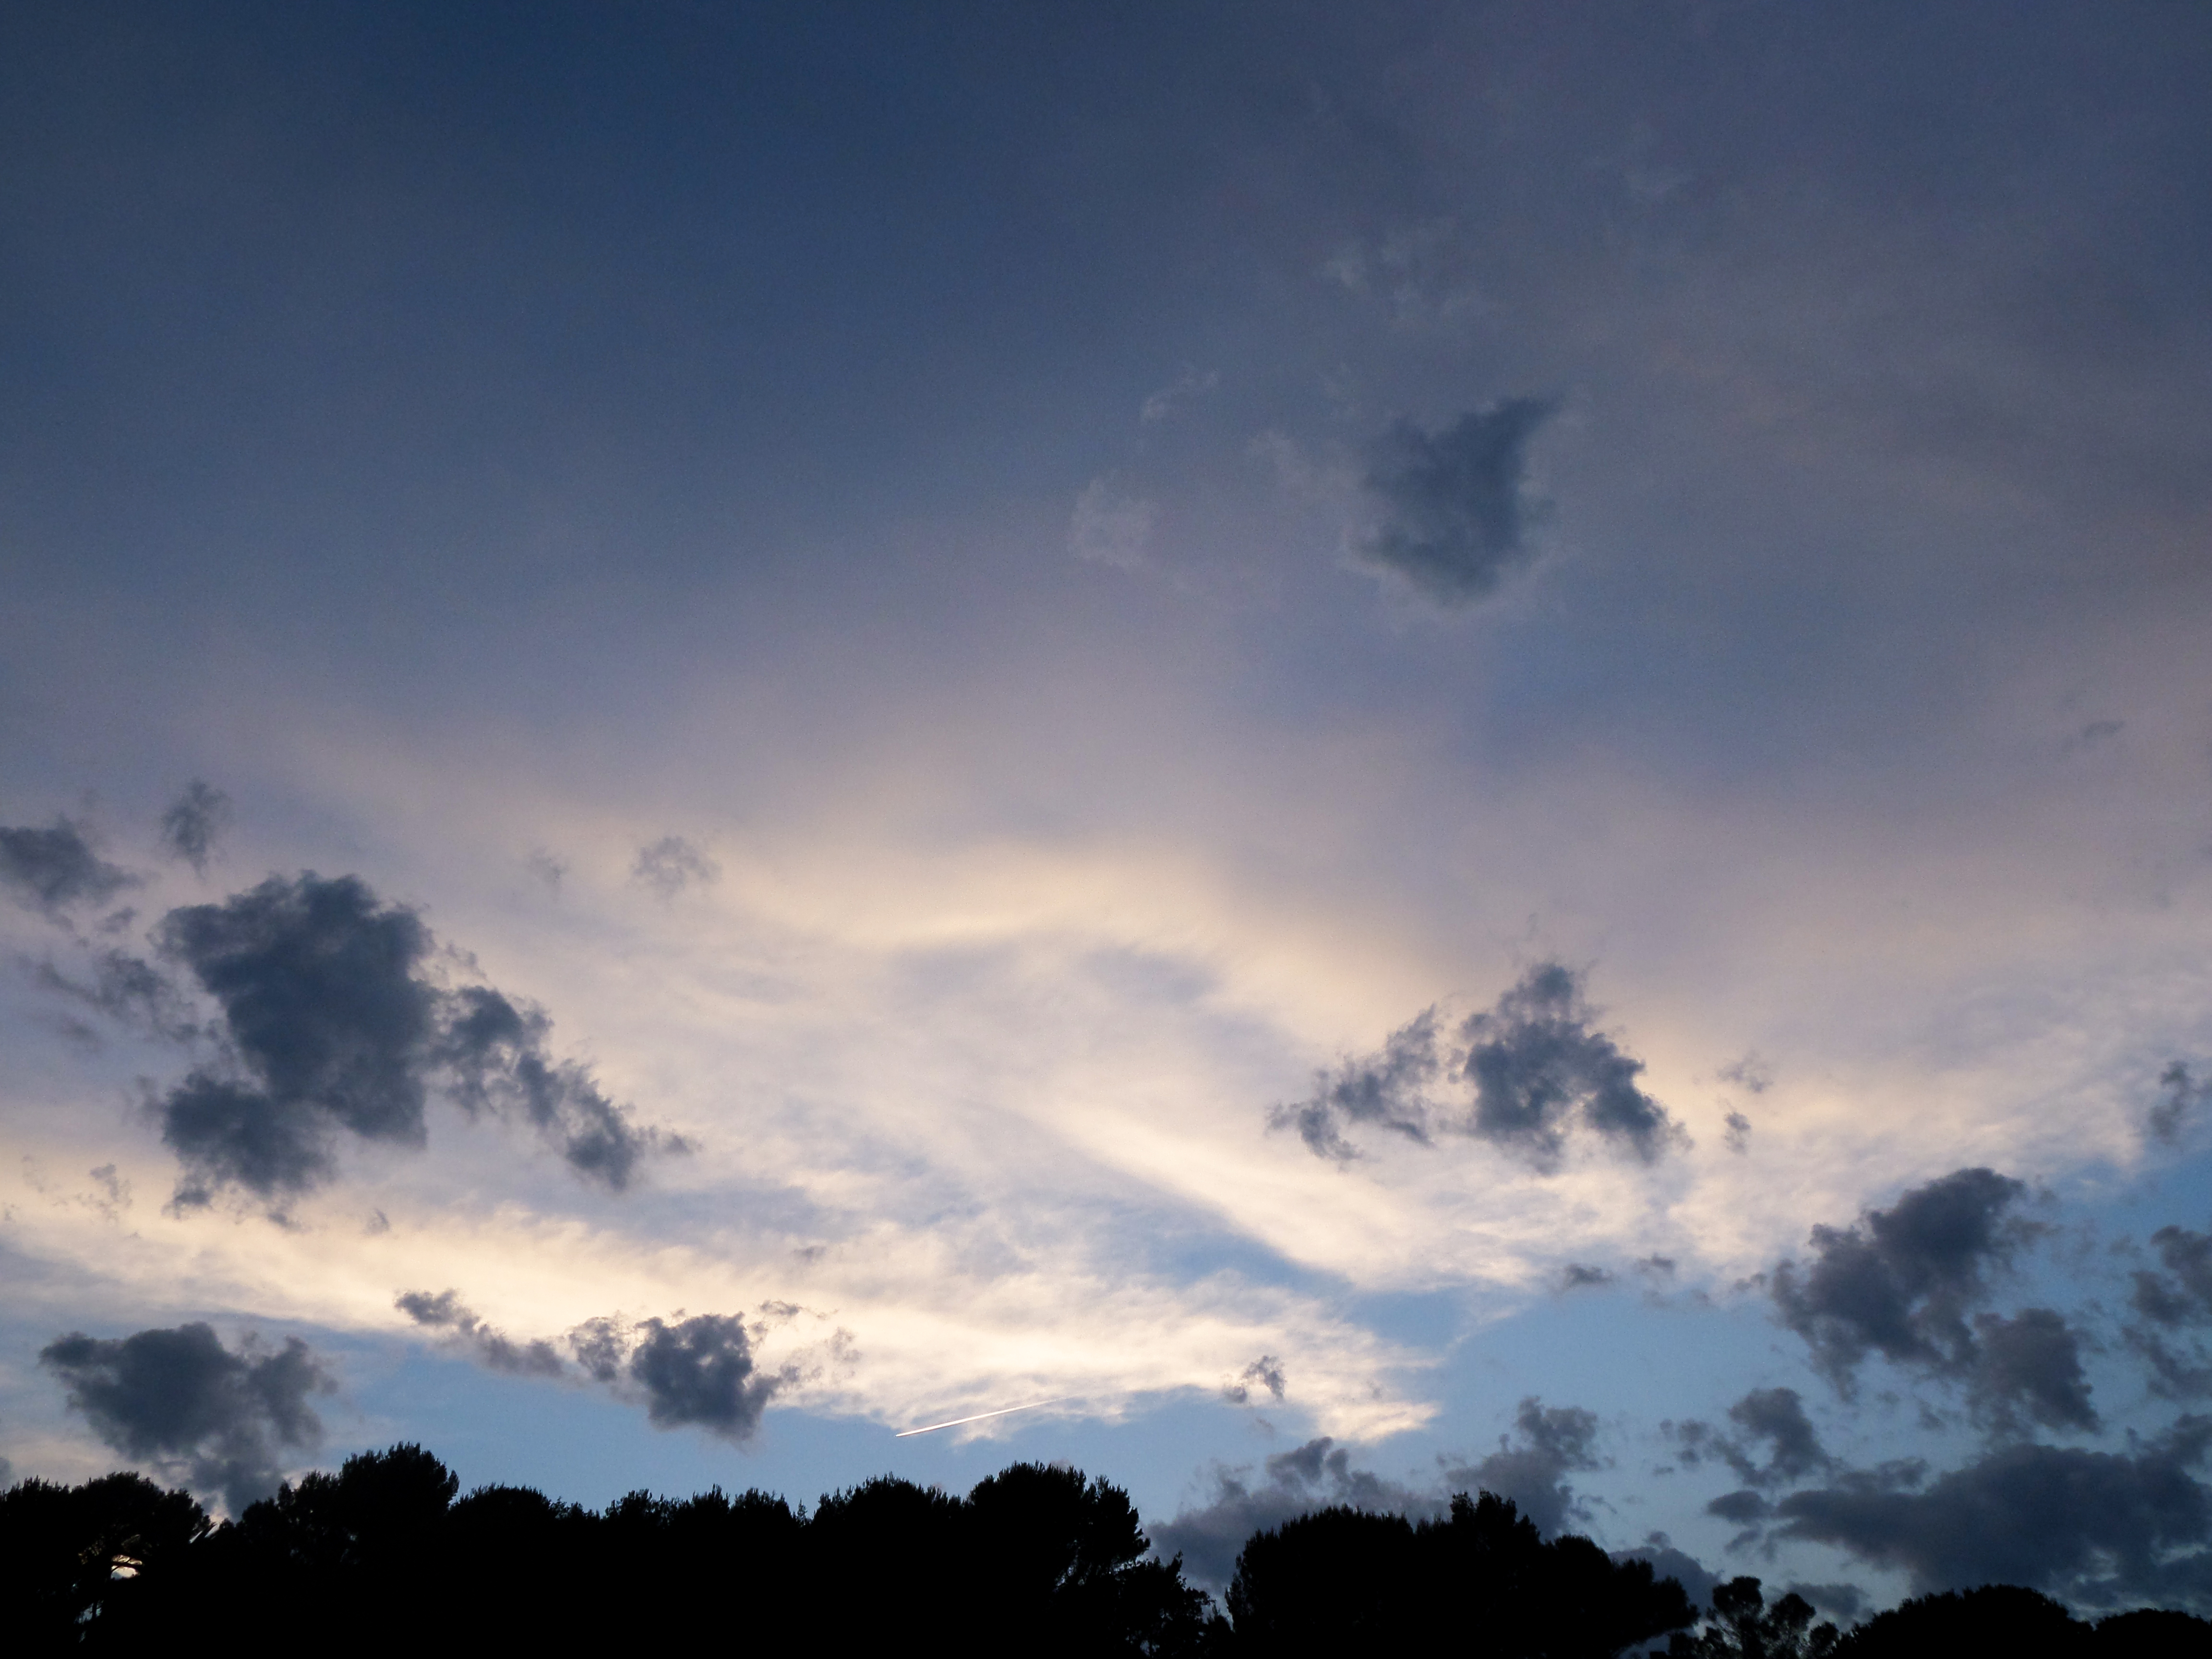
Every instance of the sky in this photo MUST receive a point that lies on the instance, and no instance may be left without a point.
(1372, 749)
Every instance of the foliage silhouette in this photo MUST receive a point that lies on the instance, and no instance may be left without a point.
(1036, 1560)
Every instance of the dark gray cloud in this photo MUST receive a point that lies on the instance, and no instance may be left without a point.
(1536, 1068)
(495, 1049)
(1387, 1090)
(1532, 1463)
(1776, 1416)
(1539, 1067)
(327, 1020)
(194, 823)
(1899, 1282)
(1265, 1373)
(697, 1372)
(2030, 1364)
(54, 870)
(672, 864)
(1737, 1138)
(700, 1373)
(1773, 1445)
(1456, 512)
(2092, 1527)
(330, 1027)
(446, 1312)
(1579, 1276)
(2172, 1302)
(1740, 1508)
(216, 1419)
(1316, 1475)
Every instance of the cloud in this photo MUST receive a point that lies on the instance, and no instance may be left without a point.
(1749, 1073)
(697, 1372)
(1900, 1282)
(2093, 1527)
(2030, 1362)
(1575, 1276)
(199, 1413)
(2183, 1094)
(495, 1050)
(1387, 1090)
(1539, 1067)
(1455, 522)
(1187, 385)
(1110, 527)
(55, 869)
(1775, 1416)
(1317, 1475)
(1536, 1068)
(1737, 1138)
(445, 1311)
(190, 827)
(1531, 1464)
(1265, 1372)
(2172, 1301)
(327, 1021)
(330, 1027)
(131, 991)
(672, 864)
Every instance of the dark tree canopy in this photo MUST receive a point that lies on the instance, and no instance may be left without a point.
(388, 1555)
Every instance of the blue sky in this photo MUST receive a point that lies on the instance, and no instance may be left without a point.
(971, 608)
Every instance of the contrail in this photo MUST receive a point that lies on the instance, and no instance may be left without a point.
(980, 1416)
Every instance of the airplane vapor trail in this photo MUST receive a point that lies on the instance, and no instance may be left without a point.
(956, 1422)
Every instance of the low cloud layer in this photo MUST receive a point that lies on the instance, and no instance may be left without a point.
(1534, 1070)
(330, 1027)
(54, 870)
(2097, 1529)
(1455, 513)
(216, 1420)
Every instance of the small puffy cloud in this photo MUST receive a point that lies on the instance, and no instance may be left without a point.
(2090, 1527)
(194, 823)
(1737, 1138)
(1539, 1067)
(1579, 1276)
(215, 1419)
(54, 870)
(1455, 517)
(670, 865)
(1535, 1068)
(1263, 1375)
(698, 1372)
(1111, 526)
(1899, 1282)
(1750, 1074)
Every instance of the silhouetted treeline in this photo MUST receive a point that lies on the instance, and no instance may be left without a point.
(386, 1554)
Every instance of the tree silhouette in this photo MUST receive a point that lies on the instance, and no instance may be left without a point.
(1742, 1626)
(74, 1557)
